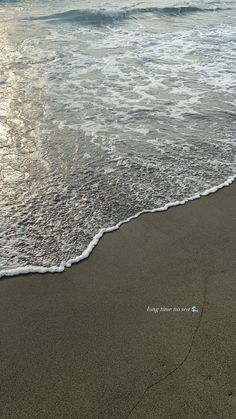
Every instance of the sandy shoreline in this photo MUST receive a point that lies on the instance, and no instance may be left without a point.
(81, 344)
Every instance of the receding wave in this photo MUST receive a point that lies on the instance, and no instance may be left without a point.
(99, 124)
(103, 16)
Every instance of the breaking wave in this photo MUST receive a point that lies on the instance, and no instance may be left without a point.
(106, 17)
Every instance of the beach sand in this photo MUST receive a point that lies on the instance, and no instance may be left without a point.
(82, 344)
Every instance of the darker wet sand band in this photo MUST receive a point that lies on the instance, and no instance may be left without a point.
(115, 337)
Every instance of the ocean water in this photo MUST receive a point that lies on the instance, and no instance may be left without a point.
(108, 109)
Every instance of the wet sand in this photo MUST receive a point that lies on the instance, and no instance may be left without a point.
(84, 344)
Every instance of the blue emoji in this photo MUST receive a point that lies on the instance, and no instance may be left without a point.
(194, 309)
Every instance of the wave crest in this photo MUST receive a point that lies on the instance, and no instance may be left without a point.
(103, 16)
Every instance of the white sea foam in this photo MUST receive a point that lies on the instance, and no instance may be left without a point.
(53, 269)
(127, 111)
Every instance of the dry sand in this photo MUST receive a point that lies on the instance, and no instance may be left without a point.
(82, 345)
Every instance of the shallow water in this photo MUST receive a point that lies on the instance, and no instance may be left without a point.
(108, 109)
